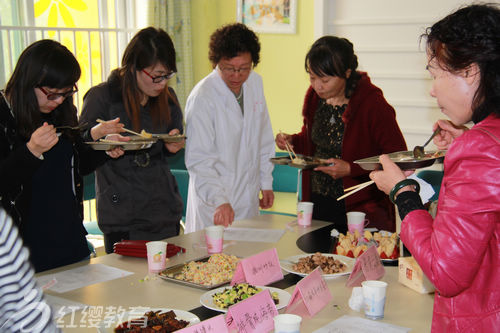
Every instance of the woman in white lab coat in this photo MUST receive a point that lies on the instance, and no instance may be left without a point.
(230, 139)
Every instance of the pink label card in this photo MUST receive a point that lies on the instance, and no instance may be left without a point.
(368, 267)
(311, 292)
(213, 325)
(260, 269)
(255, 314)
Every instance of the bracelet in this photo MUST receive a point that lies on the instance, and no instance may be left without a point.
(400, 185)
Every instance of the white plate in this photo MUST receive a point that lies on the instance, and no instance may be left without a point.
(128, 315)
(287, 264)
(206, 298)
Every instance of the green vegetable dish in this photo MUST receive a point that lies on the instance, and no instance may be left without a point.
(237, 293)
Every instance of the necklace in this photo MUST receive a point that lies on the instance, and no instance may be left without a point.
(240, 95)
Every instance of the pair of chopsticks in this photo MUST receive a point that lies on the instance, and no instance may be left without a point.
(289, 148)
(126, 130)
(355, 189)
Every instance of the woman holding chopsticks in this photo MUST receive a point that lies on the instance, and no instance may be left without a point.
(346, 118)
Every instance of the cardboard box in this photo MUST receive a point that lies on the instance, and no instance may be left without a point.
(412, 276)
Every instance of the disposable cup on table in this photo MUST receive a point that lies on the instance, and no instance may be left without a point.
(374, 298)
(214, 236)
(157, 254)
(304, 213)
(356, 221)
(287, 323)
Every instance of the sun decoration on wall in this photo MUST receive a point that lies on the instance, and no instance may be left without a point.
(58, 8)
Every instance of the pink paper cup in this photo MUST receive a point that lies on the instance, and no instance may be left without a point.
(356, 221)
(157, 254)
(304, 213)
(214, 236)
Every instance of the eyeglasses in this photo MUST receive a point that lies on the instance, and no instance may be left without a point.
(158, 79)
(232, 70)
(51, 96)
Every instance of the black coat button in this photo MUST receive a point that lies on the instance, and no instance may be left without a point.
(114, 198)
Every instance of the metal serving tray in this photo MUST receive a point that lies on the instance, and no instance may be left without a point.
(405, 160)
(170, 273)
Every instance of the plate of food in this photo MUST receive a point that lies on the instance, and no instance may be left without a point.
(405, 160)
(104, 144)
(332, 265)
(169, 320)
(204, 273)
(300, 161)
(354, 244)
(222, 298)
(151, 136)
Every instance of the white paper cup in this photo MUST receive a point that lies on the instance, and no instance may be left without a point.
(214, 236)
(157, 253)
(304, 213)
(287, 323)
(374, 298)
(356, 221)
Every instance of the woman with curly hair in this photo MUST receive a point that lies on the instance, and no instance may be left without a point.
(230, 135)
(137, 195)
(459, 250)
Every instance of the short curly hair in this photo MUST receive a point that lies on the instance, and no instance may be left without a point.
(231, 40)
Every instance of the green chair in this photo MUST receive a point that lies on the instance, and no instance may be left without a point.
(182, 178)
(433, 177)
(88, 194)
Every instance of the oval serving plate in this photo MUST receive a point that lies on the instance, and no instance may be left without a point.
(404, 159)
(206, 298)
(136, 145)
(287, 264)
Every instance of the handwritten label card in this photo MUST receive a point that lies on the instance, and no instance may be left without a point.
(311, 292)
(255, 314)
(260, 269)
(212, 325)
(368, 267)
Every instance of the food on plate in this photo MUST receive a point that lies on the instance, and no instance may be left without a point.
(299, 160)
(146, 134)
(354, 244)
(329, 265)
(153, 321)
(218, 269)
(237, 293)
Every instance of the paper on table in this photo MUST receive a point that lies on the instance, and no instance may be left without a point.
(61, 306)
(81, 277)
(254, 235)
(351, 324)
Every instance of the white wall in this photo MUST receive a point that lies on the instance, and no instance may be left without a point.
(385, 34)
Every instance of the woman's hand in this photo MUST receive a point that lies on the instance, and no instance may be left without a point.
(105, 128)
(224, 215)
(336, 169)
(117, 151)
(282, 139)
(388, 177)
(174, 147)
(267, 199)
(447, 134)
(42, 139)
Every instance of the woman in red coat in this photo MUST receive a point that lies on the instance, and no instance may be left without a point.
(346, 118)
(459, 250)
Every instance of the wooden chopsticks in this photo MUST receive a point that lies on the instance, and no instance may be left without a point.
(354, 189)
(289, 149)
(127, 130)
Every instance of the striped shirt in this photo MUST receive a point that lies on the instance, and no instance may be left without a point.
(22, 307)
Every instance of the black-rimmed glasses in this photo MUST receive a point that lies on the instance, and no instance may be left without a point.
(160, 78)
(52, 96)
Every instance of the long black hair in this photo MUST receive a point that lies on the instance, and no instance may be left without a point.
(45, 63)
(471, 35)
(334, 56)
(147, 48)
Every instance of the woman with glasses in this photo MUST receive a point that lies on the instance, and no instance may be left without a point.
(41, 160)
(346, 118)
(137, 195)
(230, 135)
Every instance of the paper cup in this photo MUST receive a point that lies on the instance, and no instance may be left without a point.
(374, 298)
(214, 235)
(287, 323)
(304, 213)
(356, 221)
(157, 253)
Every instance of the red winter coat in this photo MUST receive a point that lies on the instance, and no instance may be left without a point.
(370, 129)
(460, 250)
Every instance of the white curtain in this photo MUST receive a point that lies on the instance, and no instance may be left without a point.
(174, 16)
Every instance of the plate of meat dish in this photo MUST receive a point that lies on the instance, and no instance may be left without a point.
(405, 160)
(332, 265)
